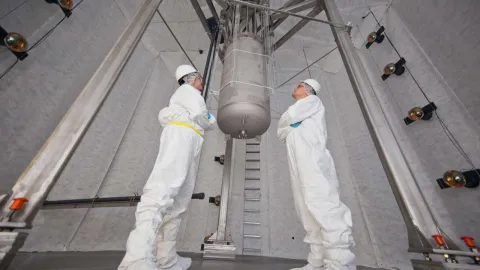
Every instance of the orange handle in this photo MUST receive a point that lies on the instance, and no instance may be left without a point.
(468, 241)
(438, 239)
(18, 203)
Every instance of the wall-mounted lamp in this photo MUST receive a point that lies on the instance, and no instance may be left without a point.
(15, 42)
(65, 5)
(456, 179)
(418, 113)
(392, 68)
(375, 37)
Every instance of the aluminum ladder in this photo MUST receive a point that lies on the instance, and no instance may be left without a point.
(252, 240)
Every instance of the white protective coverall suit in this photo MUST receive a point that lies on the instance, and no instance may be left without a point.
(168, 191)
(325, 218)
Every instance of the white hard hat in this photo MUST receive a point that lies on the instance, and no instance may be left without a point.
(314, 84)
(183, 70)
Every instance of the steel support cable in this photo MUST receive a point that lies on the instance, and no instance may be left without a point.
(113, 157)
(175, 37)
(445, 128)
(325, 55)
(15, 8)
(8, 69)
(46, 35)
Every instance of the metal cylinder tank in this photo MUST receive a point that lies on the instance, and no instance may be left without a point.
(244, 104)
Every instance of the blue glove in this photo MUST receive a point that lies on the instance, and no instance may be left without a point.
(209, 116)
(296, 124)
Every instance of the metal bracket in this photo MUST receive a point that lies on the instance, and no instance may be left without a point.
(219, 250)
(297, 28)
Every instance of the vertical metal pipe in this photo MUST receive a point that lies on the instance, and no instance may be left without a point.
(226, 179)
(420, 221)
(206, 70)
(216, 41)
(254, 21)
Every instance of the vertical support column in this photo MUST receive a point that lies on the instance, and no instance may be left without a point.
(419, 219)
(226, 181)
(221, 248)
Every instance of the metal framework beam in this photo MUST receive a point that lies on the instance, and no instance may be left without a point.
(213, 11)
(296, 8)
(280, 21)
(202, 18)
(248, 4)
(43, 171)
(222, 3)
(296, 28)
(421, 224)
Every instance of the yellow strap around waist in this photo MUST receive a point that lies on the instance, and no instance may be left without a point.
(188, 126)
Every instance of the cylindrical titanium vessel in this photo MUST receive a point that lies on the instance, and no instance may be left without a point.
(244, 104)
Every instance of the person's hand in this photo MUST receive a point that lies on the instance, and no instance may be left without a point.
(296, 124)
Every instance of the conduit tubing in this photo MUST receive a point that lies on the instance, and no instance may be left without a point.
(102, 202)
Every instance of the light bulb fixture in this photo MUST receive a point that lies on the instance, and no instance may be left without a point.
(456, 179)
(417, 113)
(15, 42)
(375, 37)
(394, 68)
(65, 5)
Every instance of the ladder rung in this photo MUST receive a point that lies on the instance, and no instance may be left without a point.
(252, 178)
(251, 236)
(251, 210)
(252, 169)
(252, 160)
(253, 152)
(252, 199)
(252, 250)
(251, 223)
(252, 188)
(253, 143)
